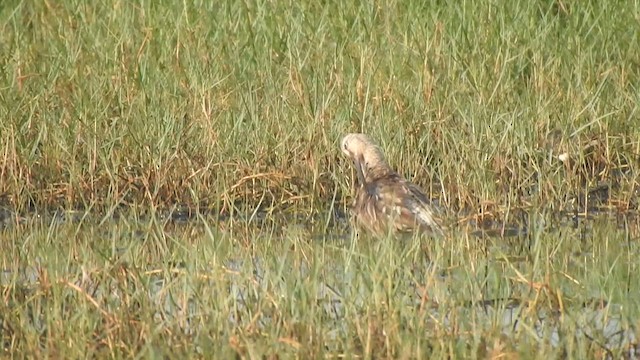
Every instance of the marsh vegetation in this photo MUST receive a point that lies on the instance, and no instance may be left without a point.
(171, 182)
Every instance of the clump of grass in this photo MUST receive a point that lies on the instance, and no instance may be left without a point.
(203, 105)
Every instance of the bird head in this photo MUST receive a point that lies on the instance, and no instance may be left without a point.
(367, 156)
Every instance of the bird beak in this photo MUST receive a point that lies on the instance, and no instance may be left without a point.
(357, 163)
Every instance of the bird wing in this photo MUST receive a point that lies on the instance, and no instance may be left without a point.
(405, 204)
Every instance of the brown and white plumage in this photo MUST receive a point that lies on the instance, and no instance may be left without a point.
(384, 201)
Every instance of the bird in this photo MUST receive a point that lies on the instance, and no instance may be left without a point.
(386, 203)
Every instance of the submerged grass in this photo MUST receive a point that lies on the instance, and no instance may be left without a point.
(511, 111)
(149, 289)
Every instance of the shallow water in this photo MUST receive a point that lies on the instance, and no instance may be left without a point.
(605, 325)
(602, 323)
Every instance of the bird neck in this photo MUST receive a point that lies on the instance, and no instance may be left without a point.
(373, 172)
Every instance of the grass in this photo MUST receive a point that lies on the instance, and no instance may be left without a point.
(148, 289)
(235, 109)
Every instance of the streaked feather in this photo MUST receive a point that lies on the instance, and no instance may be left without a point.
(384, 201)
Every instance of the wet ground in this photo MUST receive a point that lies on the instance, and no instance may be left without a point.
(595, 319)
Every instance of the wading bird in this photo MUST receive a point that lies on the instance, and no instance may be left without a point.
(385, 203)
